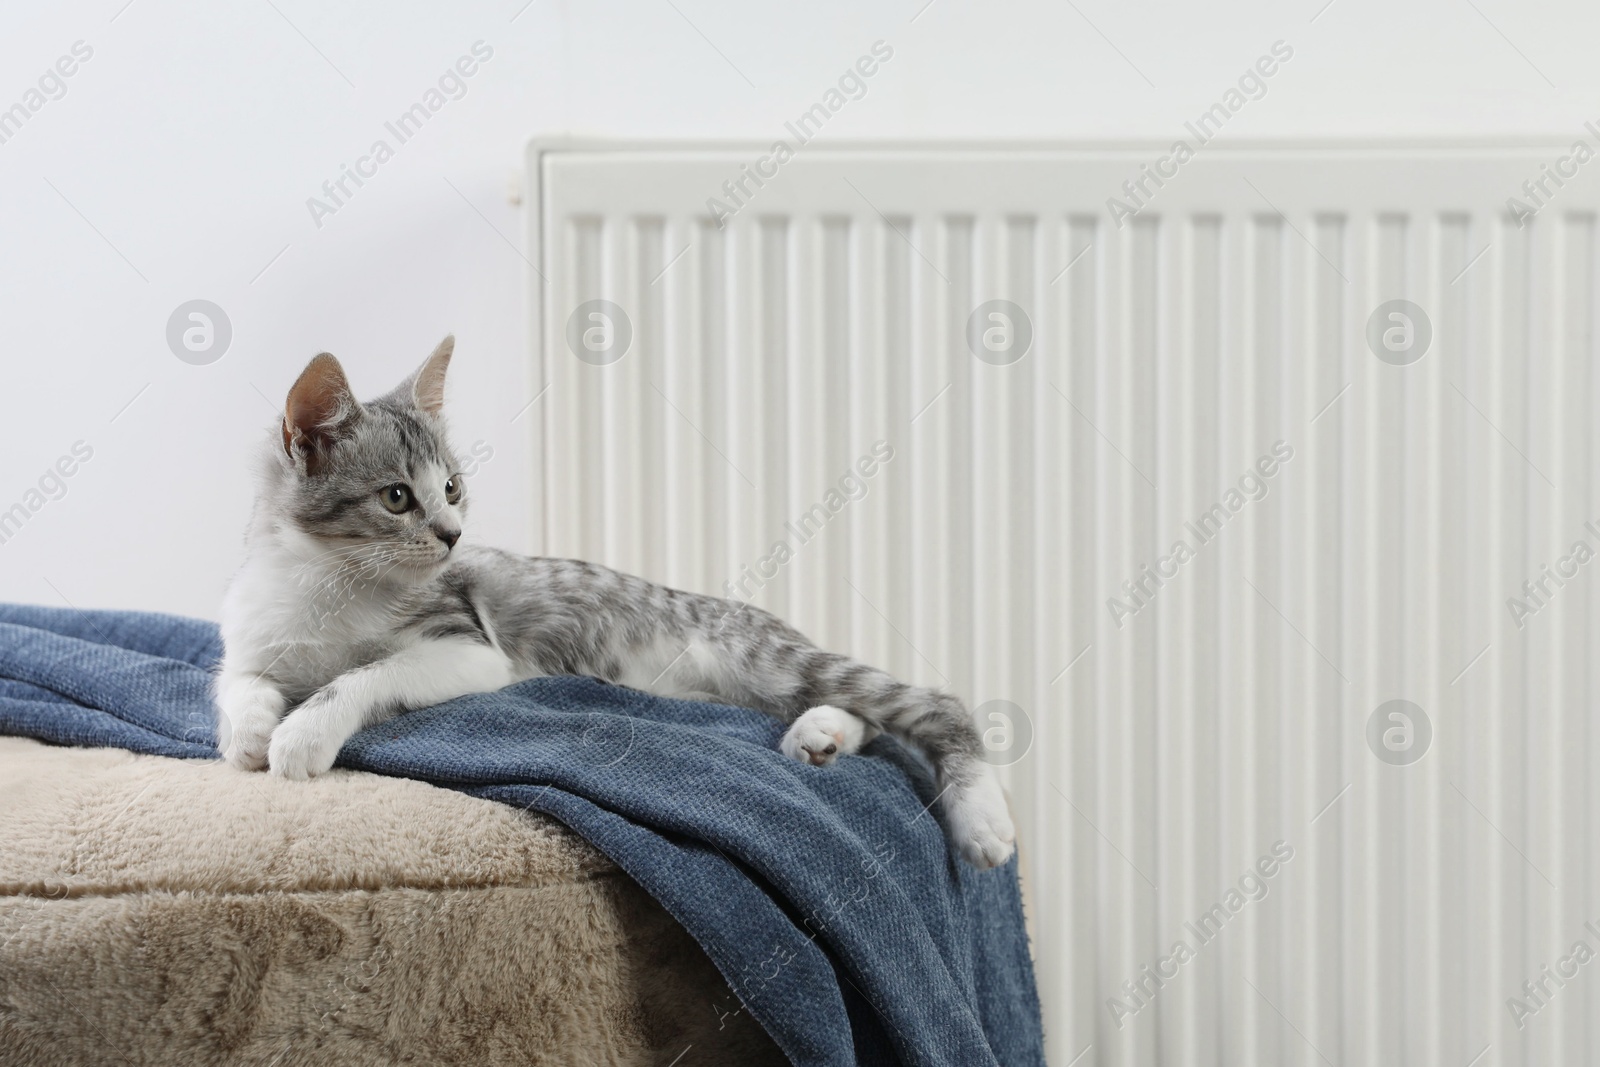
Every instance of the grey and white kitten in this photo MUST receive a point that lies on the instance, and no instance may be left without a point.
(357, 601)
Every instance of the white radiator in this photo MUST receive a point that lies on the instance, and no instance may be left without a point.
(1173, 739)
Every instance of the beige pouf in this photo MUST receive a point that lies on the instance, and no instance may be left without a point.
(160, 911)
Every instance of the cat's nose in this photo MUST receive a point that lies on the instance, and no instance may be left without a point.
(449, 537)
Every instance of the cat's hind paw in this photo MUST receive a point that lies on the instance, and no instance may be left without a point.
(980, 821)
(822, 735)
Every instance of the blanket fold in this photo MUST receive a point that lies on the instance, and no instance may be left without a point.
(826, 896)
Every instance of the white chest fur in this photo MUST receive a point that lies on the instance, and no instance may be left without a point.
(302, 623)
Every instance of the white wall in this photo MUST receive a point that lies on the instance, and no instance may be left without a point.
(192, 138)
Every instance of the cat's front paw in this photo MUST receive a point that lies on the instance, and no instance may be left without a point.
(822, 735)
(249, 713)
(980, 821)
(304, 745)
(247, 747)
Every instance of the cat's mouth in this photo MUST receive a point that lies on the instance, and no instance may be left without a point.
(430, 560)
(425, 561)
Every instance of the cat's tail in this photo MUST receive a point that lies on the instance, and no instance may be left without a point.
(936, 723)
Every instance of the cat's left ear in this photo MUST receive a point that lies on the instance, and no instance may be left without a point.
(424, 390)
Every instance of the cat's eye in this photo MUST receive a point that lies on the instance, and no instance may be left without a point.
(396, 498)
(452, 490)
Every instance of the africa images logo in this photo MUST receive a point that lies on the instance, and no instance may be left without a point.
(1253, 486)
(852, 85)
(51, 85)
(1251, 85)
(451, 85)
(1252, 887)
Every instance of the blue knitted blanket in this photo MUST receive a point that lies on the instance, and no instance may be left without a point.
(825, 896)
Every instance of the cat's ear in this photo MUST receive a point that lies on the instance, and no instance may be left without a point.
(424, 389)
(320, 410)
(428, 389)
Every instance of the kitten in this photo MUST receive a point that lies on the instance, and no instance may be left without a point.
(357, 601)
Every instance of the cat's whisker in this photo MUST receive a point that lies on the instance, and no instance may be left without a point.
(345, 585)
(358, 558)
(340, 555)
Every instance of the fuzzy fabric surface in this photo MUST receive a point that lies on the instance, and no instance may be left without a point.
(163, 911)
(825, 896)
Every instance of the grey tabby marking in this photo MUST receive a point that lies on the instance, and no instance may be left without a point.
(357, 602)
